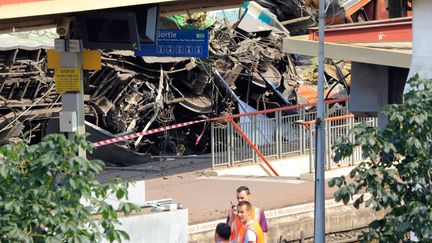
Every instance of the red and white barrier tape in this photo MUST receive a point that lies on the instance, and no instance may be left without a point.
(225, 118)
(135, 135)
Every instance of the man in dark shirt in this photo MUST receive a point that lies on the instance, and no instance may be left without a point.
(222, 233)
(257, 214)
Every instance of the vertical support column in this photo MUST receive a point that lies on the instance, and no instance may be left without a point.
(421, 47)
(278, 135)
(347, 108)
(311, 150)
(327, 109)
(302, 131)
(319, 219)
(71, 57)
(255, 137)
(327, 135)
(212, 145)
(328, 132)
(351, 126)
(229, 144)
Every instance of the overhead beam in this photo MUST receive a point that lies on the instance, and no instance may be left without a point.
(185, 7)
(353, 53)
(32, 14)
(30, 8)
(393, 30)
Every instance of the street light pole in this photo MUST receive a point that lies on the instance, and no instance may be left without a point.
(319, 223)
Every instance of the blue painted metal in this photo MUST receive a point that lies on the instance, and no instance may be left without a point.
(177, 43)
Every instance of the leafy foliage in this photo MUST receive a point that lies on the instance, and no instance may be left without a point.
(41, 190)
(398, 171)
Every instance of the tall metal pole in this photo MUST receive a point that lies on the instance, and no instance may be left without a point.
(320, 134)
(72, 102)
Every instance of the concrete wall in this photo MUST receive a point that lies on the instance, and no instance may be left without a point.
(422, 49)
(157, 227)
(369, 90)
(338, 218)
(342, 218)
(136, 194)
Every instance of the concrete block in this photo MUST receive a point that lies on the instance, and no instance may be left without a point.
(340, 220)
(136, 194)
(160, 227)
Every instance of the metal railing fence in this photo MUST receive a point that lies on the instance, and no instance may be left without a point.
(335, 130)
(279, 135)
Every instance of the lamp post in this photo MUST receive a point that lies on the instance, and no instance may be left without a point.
(319, 219)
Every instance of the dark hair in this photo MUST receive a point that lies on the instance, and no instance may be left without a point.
(223, 230)
(243, 188)
(244, 203)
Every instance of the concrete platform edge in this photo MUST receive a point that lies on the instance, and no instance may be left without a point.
(270, 214)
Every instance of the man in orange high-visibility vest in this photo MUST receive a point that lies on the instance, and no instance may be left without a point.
(251, 231)
(257, 214)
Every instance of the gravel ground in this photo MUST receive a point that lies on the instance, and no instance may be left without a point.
(336, 237)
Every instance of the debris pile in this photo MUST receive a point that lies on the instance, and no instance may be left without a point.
(246, 66)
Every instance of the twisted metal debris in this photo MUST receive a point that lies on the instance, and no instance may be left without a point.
(132, 94)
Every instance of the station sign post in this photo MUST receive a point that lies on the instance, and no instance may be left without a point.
(177, 43)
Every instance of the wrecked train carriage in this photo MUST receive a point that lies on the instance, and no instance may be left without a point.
(122, 97)
(27, 94)
(132, 95)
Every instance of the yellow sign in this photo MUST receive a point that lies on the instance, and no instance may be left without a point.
(67, 80)
(91, 60)
(53, 59)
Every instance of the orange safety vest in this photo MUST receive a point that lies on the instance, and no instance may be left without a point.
(254, 227)
(237, 225)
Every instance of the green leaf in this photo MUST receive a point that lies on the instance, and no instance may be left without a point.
(404, 227)
(375, 224)
(414, 142)
(113, 214)
(123, 234)
(120, 193)
(105, 214)
(127, 208)
(332, 182)
(352, 189)
(419, 119)
(3, 171)
(388, 147)
(368, 202)
(35, 208)
(358, 202)
(372, 141)
(338, 181)
(73, 183)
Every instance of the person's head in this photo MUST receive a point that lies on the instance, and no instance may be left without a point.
(222, 232)
(244, 211)
(243, 194)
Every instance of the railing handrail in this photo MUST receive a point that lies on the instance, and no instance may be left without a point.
(285, 108)
(333, 118)
(279, 136)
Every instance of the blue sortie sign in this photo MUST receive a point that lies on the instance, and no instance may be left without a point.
(177, 43)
